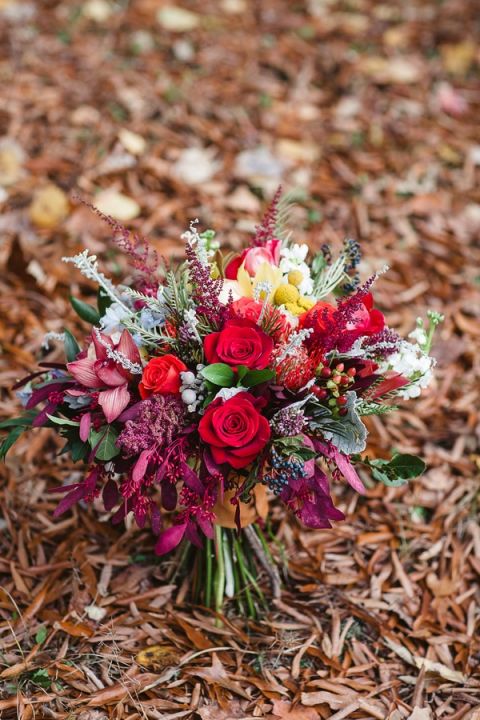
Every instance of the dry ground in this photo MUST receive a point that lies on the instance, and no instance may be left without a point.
(369, 111)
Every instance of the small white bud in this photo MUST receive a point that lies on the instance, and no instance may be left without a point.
(188, 378)
(189, 396)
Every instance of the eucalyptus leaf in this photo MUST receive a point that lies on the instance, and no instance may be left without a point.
(85, 311)
(62, 421)
(72, 348)
(103, 301)
(10, 440)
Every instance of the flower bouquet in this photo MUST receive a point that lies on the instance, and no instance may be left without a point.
(203, 391)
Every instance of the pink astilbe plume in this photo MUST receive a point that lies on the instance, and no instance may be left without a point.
(267, 229)
(142, 256)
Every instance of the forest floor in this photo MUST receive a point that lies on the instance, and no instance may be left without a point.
(368, 111)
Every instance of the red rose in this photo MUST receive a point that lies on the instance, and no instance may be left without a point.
(234, 430)
(245, 309)
(241, 342)
(161, 376)
(366, 320)
(318, 317)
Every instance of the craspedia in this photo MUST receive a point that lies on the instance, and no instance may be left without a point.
(295, 277)
(305, 302)
(286, 294)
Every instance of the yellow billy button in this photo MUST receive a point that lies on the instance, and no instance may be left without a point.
(295, 277)
(286, 294)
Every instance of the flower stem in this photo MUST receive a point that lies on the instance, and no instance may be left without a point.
(243, 575)
(219, 582)
(208, 579)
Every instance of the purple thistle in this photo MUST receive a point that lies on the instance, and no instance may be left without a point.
(267, 229)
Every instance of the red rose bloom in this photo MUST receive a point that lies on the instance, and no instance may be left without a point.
(161, 376)
(367, 320)
(241, 342)
(318, 317)
(234, 430)
(245, 309)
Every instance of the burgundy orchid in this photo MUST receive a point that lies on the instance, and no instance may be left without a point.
(99, 370)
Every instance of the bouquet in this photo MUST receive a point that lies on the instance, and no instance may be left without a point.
(202, 391)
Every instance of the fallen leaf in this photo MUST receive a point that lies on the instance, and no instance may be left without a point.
(177, 19)
(157, 657)
(119, 206)
(49, 207)
(97, 10)
(217, 675)
(458, 58)
(420, 714)
(287, 711)
(196, 165)
(12, 157)
(132, 142)
(398, 70)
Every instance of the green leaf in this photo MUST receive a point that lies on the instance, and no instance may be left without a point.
(398, 470)
(62, 421)
(106, 436)
(76, 448)
(72, 348)
(103, 301)
(41, 635)
(85, 311)
(10, 440)
(219, 374)
(242, 370)
(255, 377)
(23, 421)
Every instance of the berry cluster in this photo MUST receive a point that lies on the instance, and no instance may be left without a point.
(331, 385)
(283, 470)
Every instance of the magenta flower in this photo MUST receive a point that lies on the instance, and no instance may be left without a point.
(103, 371)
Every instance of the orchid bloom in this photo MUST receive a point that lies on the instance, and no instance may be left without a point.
(265, 273)
(97, 370)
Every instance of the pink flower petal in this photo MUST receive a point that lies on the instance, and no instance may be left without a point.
(128, 348)
(85, 425)
(110, 375)
(84, 372)
(113, 402)
(101, 350)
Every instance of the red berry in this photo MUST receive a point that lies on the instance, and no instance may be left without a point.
(342, 400)
(351, 372)
(343, 411)
(326, 372)
(336, 379)
(344, 380)
(340, 367)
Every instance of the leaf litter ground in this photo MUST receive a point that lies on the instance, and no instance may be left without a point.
(162, 113)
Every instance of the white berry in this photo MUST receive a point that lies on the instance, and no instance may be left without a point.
(189, 396)
(188, 378)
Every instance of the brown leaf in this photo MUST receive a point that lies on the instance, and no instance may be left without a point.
(217, 675)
